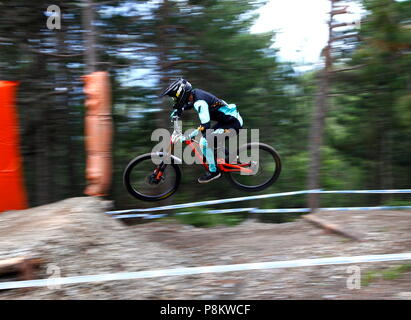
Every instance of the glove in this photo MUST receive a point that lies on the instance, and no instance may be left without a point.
(176, 112)
(193, 134)
(173, 113)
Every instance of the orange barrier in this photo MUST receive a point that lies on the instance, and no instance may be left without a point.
(12, 191)
(98, 130)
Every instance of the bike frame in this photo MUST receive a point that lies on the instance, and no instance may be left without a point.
(221, 164)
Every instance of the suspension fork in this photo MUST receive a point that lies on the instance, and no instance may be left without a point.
(159, 170)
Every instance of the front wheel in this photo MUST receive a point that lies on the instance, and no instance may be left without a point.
(147, 181)
(265, 163)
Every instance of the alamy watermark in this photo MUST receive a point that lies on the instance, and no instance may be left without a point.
(53, 281)
(354, 278)
(53, 17)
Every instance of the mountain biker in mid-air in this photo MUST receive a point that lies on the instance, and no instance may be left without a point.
(208, 107)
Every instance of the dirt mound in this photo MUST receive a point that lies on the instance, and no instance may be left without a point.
(80, 239)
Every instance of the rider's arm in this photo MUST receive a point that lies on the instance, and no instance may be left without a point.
(203, 113)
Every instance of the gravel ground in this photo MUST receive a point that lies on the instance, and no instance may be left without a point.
(76, 236)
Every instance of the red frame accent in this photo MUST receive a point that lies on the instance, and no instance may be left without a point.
(225, 167)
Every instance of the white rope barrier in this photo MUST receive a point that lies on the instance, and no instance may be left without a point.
(211, 202)
(256, 210)
(263, 196)
(52, 282)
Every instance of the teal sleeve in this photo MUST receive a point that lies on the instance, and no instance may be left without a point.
(203, 113)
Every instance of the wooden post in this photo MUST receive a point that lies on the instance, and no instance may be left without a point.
(98, 131)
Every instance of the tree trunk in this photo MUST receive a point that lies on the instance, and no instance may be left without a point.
(64, 123)
(318, 119)
(88, 16)
(385, 164)
(43, 174)
(316, 138)
(162, 117)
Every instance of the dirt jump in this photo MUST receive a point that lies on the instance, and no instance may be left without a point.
(75, 237)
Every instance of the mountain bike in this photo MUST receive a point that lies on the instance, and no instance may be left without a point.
(148, 181)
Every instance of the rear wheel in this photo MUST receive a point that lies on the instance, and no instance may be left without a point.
(265, 163)
(143, 180)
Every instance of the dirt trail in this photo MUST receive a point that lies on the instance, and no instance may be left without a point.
(80, 239)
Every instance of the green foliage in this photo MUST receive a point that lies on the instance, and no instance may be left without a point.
(199, 218)
(367, 141)
(368, 126)
(404, 111)
(386, 274)
(397, 202)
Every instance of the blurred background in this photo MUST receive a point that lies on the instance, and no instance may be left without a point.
(279, 61)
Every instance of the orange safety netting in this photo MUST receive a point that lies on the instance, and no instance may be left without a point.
(12, 191)
(98, 130)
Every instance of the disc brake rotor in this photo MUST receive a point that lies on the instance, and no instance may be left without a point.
(151, 179)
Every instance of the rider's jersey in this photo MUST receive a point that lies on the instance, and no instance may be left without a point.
(209, 107)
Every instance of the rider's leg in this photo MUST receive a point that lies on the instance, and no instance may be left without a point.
(213, 138)
(224, 132)
(213, 146)
(213, 173)
(209, 154)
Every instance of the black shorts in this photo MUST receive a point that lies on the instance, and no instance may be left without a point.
(212, 139)
(232, 124)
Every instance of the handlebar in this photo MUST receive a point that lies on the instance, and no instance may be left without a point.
(176, 123)
(178, 128)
